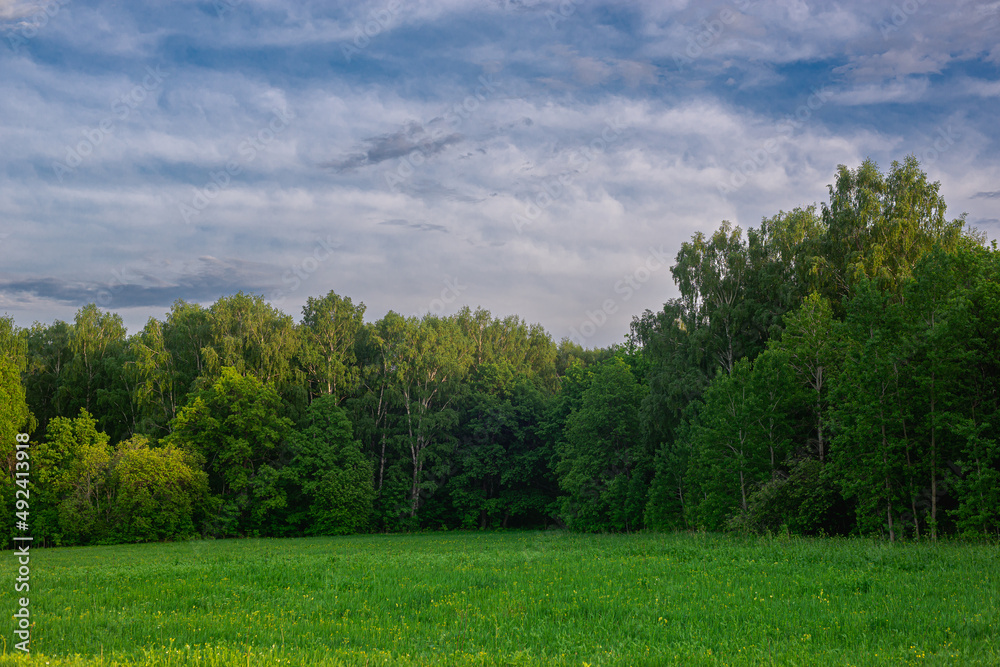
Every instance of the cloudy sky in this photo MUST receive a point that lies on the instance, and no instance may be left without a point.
(537, 158)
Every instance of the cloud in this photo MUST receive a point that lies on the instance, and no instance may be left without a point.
(764, 33)
(376, 150)
(206, 281)
(11, 10)
(894, 64)
(591, 71)
(995, 194)
(982, 87)
(898, 91)
(419, 226)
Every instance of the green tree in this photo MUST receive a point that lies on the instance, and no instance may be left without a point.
(781, 254)
(727, 461)
(502, 474)
(669, 503)
(330, 329)
(677, 378)
(937, 314)
(96, 377)
(712, 275)
(879, 225)
(734, 295)
(70, 476)
(332, 476)
(158, 493)
(435, 362)
(772, 395)
(14, 413)
(796, 493)
(49, 356)
(155, 377)
(252, 337)
(187, 333)
(382, 348)
(94, 337)
(528, 350)
(603, 464)
(810, 345)
(869, 446)
(236, 427)
(975, 474)
(568, 352)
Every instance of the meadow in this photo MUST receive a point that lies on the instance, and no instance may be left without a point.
(513, 598)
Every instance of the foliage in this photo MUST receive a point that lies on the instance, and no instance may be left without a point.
(159, 493)
(15, 416)
(879, 225)
(329, 328)
(69, 475)
(602, 464)
(236, 428)
(14, 413)
(252, 337)
(502, 477)
(330, 474)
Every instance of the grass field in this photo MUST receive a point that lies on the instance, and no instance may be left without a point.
(539, 598)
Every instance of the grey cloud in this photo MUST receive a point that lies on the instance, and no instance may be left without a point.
(209, 280)
(995, 194)
(519, 5)
(429, 190)
(419, 226)
(389, 146)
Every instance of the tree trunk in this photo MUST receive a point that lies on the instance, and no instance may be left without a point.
(743, 490)
(888, 487)
(819, 413)
(381, 465)
(933, 466)
(415, 490)
(888, 510)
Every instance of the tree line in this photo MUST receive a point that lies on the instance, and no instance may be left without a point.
(833, 371)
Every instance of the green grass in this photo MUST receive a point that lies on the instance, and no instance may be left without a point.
(539, 598)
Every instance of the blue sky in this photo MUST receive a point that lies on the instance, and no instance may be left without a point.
(544, 159)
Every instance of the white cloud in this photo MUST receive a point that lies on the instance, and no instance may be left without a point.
(898, 91)
(893, 64)
(11, 10)
(982, 87)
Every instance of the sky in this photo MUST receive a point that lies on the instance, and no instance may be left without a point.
(538, 158)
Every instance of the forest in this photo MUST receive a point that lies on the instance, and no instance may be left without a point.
(833, 371)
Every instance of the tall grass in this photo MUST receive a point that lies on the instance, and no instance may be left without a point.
(539, 598)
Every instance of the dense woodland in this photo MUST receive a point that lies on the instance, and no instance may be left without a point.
(833, 371)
